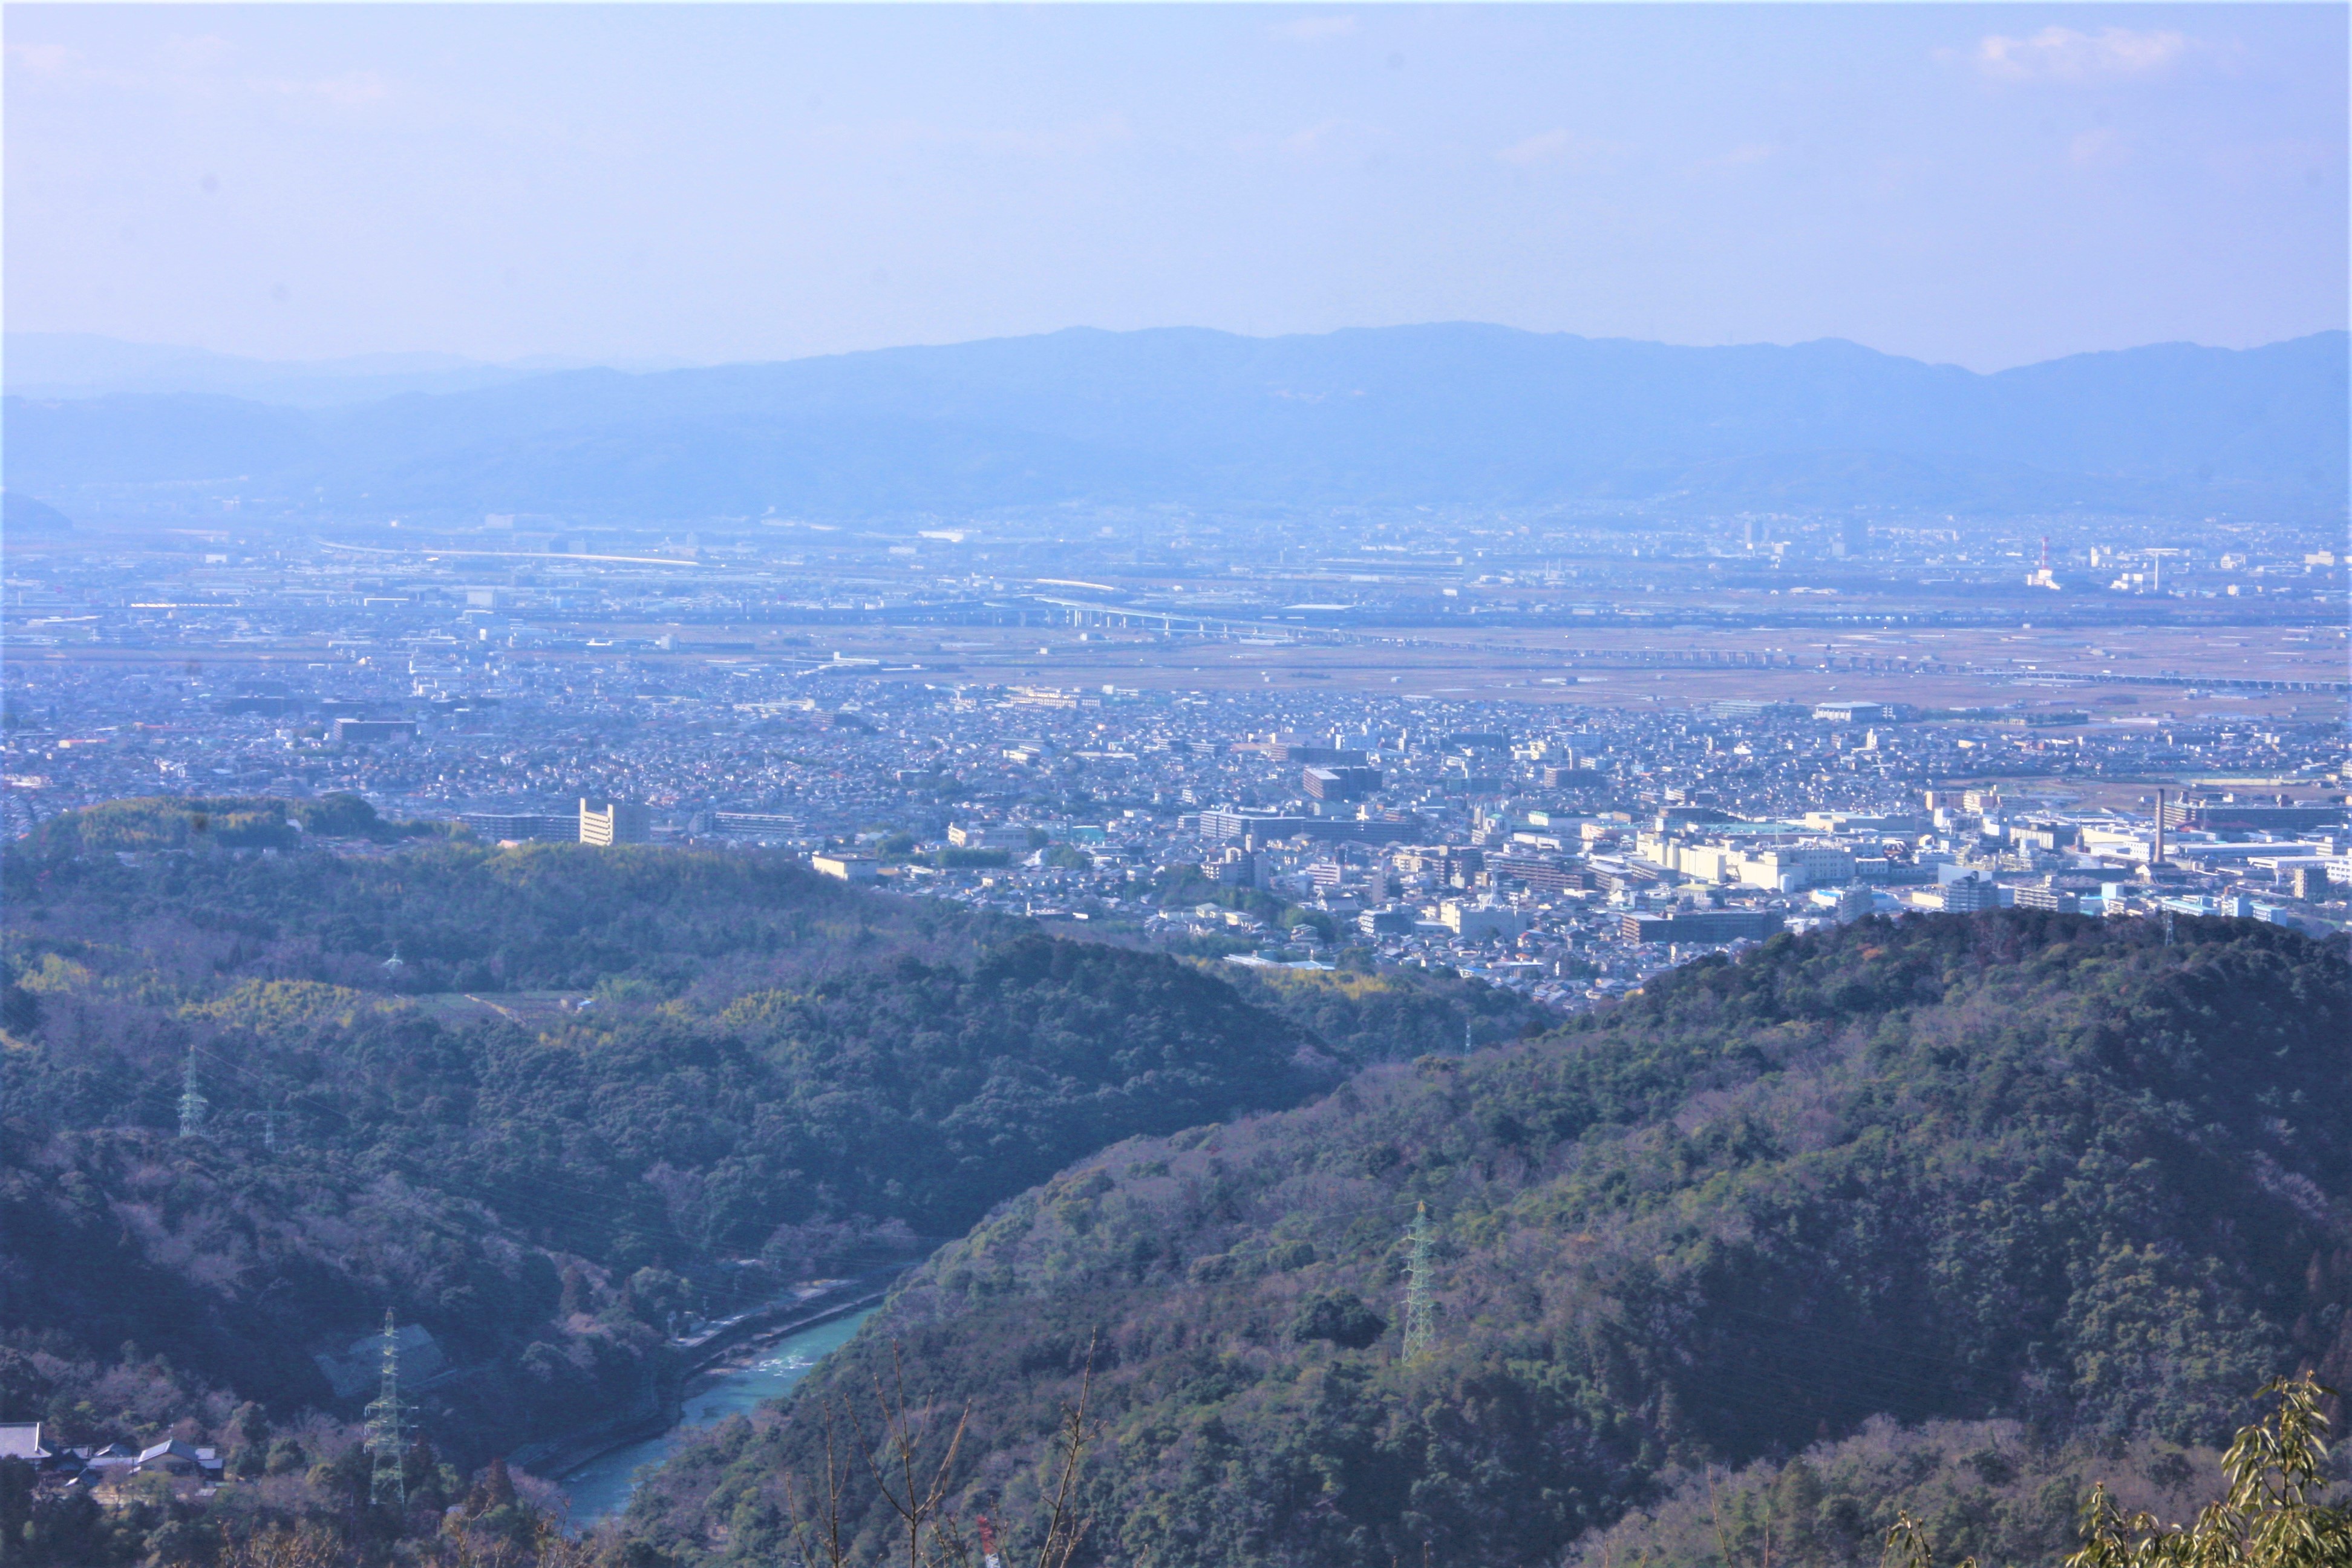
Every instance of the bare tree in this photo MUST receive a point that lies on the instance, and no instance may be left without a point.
(817, 1532)
(1065, 1527)
(307, 1547)
(911, 1459)
(916, 1489)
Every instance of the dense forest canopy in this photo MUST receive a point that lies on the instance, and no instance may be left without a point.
(2015, 1167)
(537, 1100)
(1908, 1195)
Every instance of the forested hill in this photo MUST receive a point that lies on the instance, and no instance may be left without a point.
(536, 1100)
(2012, 1165)
(202, 904)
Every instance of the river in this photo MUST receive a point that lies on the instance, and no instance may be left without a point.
(603, 1487)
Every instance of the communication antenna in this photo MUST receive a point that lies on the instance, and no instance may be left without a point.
(1418, 1331)
(386, 1423)
(193, 1103)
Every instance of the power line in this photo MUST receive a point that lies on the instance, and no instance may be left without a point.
(386, 1428)
(193, 1103)
(1419, 1331)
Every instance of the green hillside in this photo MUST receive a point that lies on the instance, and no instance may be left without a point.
(2028, 1167)
(1996, 1490)
(597, 1088)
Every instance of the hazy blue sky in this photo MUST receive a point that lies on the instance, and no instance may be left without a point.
(1988, 185)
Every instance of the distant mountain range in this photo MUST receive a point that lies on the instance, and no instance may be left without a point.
(1441, 414)
(23, 514)
(84, 365)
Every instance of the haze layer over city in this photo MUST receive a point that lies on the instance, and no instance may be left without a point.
(1407, 537)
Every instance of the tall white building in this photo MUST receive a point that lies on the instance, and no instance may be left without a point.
(617, 821)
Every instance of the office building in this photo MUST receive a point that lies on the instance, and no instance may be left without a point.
(1268, 827)
(1701, 926)
(1543, 875)
(1796, 867)
(373, 731)
(617, 822)
(1850, 712)
(2241, 816)
(974, 835)
(520, 828)
(1479, 921)
(1968, 895)
(754, 825)
(1340, 783)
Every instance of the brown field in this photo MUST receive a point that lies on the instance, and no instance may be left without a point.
(1985, 667)
(2008, 665)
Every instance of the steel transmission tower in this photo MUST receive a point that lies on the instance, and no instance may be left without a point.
(1417, 1330)
(193, 1103)
(387, 1428)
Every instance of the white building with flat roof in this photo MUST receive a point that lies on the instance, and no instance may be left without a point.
(1480, 920)
(617, 822)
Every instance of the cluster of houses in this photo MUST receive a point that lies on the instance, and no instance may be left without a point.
(93, 1467)
(349, 1371)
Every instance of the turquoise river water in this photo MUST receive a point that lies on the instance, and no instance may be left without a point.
(603, 1486)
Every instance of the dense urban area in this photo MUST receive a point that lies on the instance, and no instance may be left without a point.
(1555, 756)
